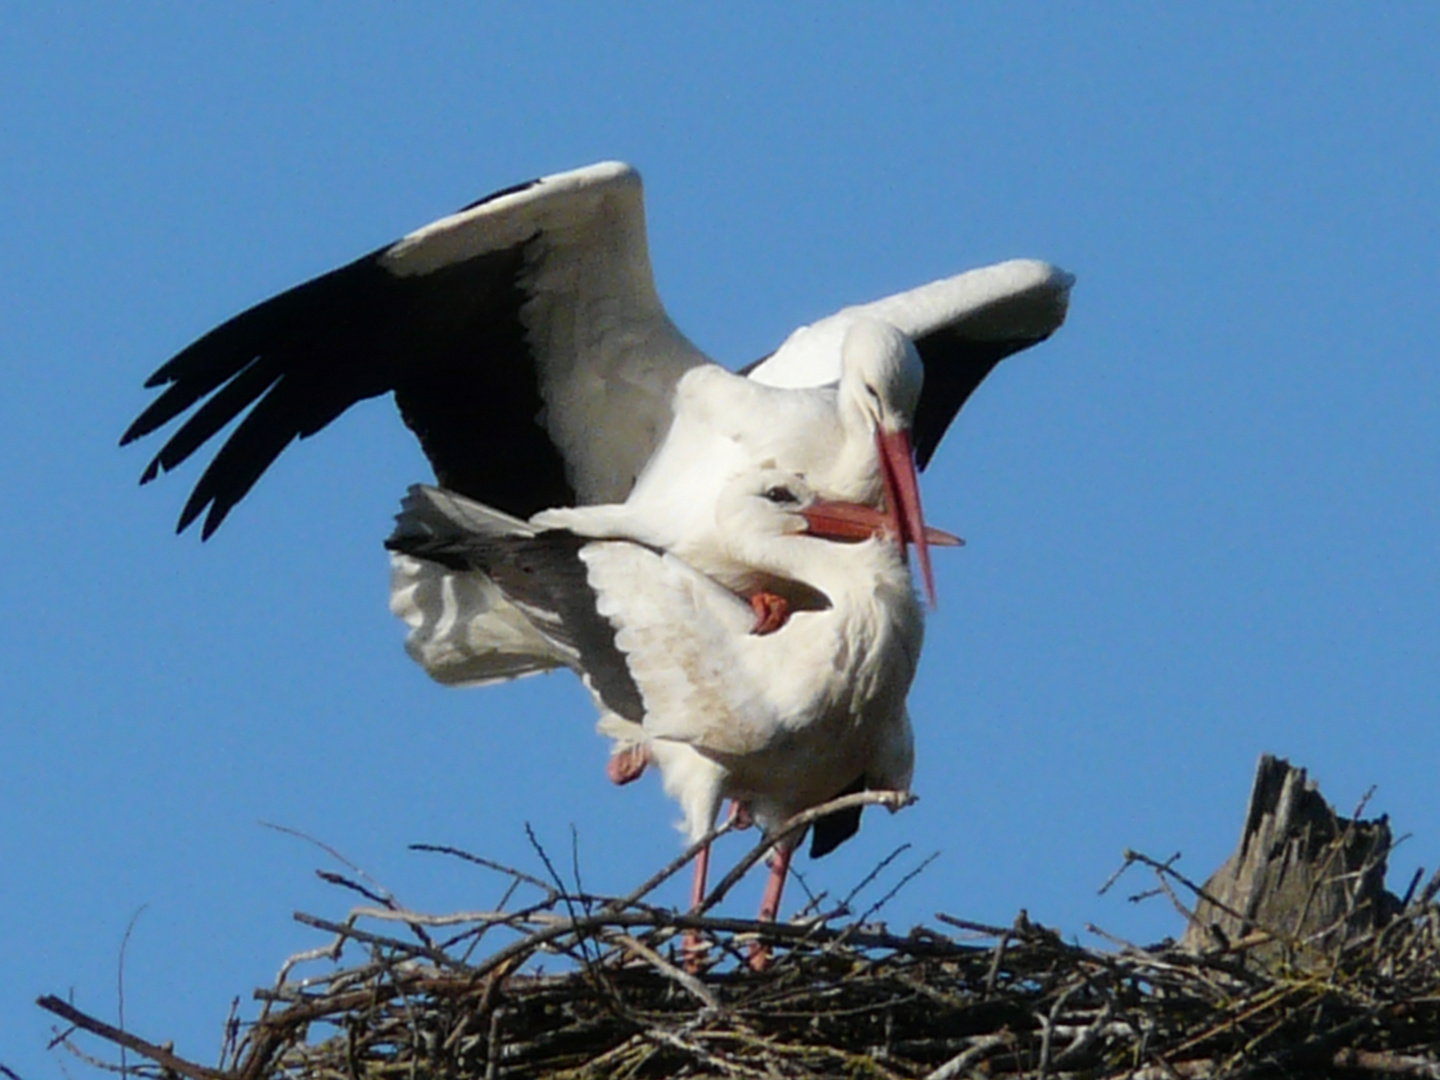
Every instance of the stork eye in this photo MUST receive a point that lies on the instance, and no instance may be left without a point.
(780, 495)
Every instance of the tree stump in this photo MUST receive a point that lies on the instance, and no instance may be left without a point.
(1305, 877)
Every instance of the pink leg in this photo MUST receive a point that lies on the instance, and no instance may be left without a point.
(770, 903)
(627, 763)
(702, 870)
(691, 950)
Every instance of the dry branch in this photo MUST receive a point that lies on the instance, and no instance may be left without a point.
(840, 999)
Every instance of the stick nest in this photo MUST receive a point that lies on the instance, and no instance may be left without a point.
(408, 995)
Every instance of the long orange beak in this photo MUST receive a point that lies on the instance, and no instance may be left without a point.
(831, 520)
(902, 500)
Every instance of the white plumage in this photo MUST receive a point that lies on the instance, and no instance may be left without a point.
(778, 722)
(848, 440)
(526, 346)
(844, 440)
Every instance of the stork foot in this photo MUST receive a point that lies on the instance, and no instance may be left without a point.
(627, 763)
(771, 612)
(740, 815)
(758, 959)
(694, 951)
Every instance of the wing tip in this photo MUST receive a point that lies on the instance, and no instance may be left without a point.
(142, 425)
(188, 515)
(204, 500)
(597, 174)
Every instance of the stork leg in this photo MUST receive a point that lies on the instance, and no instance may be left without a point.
(627, 763)
(770, 903)
(691, 950)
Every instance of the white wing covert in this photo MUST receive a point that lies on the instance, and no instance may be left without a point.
(683, 639)
(962, 327)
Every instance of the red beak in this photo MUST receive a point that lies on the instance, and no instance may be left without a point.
(851, 521)
(902, 500)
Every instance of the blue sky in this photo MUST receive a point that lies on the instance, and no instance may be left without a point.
(1202, 520)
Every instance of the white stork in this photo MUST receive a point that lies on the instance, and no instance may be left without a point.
(527, 348)
(778, 722)
(849, 442)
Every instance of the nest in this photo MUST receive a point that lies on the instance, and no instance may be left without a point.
(404, 994)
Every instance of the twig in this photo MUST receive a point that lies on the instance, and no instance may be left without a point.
(332, 852)
(332, 878)
(429, 952)
(891, 800)
(1166, 868)
(158, 1054)
(978, 1048)
(670, 971)
(120, 983)
(565, 896)
(874, 909)
(875, 872)
(670, 869)
(489, 864)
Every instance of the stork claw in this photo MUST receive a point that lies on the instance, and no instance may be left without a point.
(771, 612)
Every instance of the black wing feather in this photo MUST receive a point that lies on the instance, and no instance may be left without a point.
(832, 830)
(543, 573)
(954, 366)
(449, 344)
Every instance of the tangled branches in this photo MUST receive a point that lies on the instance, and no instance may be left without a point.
(433, 996)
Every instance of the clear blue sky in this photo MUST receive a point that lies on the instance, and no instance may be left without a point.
(1202, 521)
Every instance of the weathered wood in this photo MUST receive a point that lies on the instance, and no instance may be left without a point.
(1308, 878)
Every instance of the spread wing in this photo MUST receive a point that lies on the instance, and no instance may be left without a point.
(962, 327)
(522, 338)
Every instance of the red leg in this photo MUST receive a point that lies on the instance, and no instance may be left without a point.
(691, 951)
(771, 612)
(702, 870)
(627, 763)
(770, 903)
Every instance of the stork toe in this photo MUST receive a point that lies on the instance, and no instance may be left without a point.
(627, 764)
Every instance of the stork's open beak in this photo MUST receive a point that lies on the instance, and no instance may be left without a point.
(831, 520)
(902, 500)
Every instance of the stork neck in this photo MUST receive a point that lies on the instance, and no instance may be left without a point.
(854, 474)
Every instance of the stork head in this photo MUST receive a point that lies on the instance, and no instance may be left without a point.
(880, 376)
(759, 507)
(880, 379)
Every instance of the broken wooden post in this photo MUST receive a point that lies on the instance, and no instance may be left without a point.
(1303, 876)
